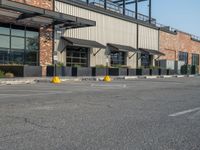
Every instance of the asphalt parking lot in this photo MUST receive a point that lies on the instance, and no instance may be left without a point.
(144, 114)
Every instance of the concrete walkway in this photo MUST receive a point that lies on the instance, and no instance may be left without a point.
(32, 80)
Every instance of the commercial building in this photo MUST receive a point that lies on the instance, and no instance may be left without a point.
(88, 33)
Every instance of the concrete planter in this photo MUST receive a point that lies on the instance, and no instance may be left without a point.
(118, 71)
(194, 69)
(154, 72)
(162, 71)
(141, 72)
(81, 71)
(23, 71)
(60, 71)
(170, 72)
(99, 71)
(132, 72)
(50, 71)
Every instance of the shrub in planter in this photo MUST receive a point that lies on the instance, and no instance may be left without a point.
(9, 75)
(22, 71)
(186, 69)
(99, 70)
(162, 71)
(143, 71)
(195, 69)
(154, 70)
(132, 72)
(81, 71)
(1, 74)
(170, 72)
(50, 71)
(118, 71)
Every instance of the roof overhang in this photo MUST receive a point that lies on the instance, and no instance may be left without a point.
(151, 52)
(22, 12)
(82, 43)
(124, 48)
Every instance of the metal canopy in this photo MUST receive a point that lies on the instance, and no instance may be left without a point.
(117, 47)
(56, 18)
(83, 43)
(151, 52)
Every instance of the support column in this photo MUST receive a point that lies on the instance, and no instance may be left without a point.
(124, 7)
(149, 11)
(105, 4)
(136, 9)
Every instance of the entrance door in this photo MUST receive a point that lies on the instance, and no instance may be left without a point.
(77, 56)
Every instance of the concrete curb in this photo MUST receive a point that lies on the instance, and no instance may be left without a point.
(15, 81)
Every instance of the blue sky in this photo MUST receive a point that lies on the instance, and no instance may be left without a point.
(181, 14)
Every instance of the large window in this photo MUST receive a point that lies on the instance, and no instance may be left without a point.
(18, 45)
(195, 59)
(117, 58)
(77, 56)
(146, 60)
(183, 56)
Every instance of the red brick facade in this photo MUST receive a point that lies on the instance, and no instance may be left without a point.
(46, 4)
(171, 44)
(46, 41)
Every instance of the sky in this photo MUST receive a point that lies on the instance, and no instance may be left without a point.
(180, 14)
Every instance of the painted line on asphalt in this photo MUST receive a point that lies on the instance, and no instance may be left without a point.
(109, 85)
(184, 112)
(32, 94)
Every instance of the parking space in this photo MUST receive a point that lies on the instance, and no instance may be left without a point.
(135, 114)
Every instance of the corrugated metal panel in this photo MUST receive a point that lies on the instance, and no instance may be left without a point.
(148, 38)
(107, 30)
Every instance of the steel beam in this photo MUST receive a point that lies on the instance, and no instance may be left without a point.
(150, 11)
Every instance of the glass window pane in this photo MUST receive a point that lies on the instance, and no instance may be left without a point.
(17, 43)
(32, 34)
(77, 56)
(31, 58)
(17, 57)
(3, 57)
(4, 41)
(17, 32)
(32, 44)
(4, 30)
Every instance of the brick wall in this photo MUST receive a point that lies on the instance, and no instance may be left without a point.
(46, 42)
(171, 44)
(47, 4)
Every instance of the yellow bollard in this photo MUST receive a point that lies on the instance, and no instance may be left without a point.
(107, 79)
(56, 80)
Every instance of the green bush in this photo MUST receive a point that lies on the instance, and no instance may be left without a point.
(186, 69)
(100, 66)
(9, 75)
(1, 74)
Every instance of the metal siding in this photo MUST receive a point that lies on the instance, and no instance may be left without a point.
(148, 38)
(107, 30)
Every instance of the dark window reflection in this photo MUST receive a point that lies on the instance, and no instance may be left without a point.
(18, 45)
(117, 58)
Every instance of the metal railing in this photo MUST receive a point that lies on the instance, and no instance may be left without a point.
(119, 9)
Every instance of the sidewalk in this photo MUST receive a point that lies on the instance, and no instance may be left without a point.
(33, 80)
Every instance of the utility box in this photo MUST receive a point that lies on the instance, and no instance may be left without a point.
(167, 64)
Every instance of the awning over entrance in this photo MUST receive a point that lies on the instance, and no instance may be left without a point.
(22, 12)
(117, 47)
(83, 43)
(151, 52)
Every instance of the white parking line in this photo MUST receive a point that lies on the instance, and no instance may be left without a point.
(184, 112)
(32, 94)
(108, 85)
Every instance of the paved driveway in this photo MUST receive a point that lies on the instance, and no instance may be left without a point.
(154, 114)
